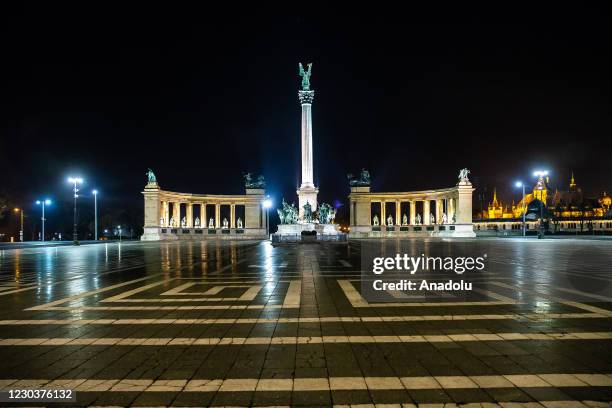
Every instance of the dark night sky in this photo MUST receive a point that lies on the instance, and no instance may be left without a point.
(203, 100)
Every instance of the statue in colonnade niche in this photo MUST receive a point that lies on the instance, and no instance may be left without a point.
(444, 218)
(454, 218)
(184, 223)
(432, 219)
(225, 223)
(375, 220)
(418, 219)
(211, 223)
(390, 221)
(404, 220)
(239, 223)
(172, 222)
(161, 222)
(197, 222)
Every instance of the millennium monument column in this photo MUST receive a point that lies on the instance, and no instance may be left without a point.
(307, 193)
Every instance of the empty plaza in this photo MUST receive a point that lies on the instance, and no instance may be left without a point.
(245, 323)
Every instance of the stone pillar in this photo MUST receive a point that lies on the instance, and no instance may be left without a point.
(426, 212)
(232, 215)
(383, 213)
(463, 209)
(412, 212)
(360, 210)
(189, 215)
(152, 207)
(439, 211)
(162, 214)
(307, 191)
(451, 209)
(464, 203)
(398, 210)
(203, 216)
(253, 221)
(217, 215)
(166, 213)
(176, 213)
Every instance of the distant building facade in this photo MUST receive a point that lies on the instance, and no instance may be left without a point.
(567, 211)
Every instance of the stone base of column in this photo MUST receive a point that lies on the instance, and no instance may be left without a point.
(461, 231)
(198, 234)
(151, 234)
(307, 194)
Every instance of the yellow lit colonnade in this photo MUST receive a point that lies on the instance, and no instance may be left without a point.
(170, 215)
(444, 212)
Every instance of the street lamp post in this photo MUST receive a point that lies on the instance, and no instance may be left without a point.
(20, 210)
(520, 184)
(267, 204)
(95, 194)
(119, 228)
(541, 174)
(75, 181)
(43, 203)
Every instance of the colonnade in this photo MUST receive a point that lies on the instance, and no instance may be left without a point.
(452, 206)
(444, 212)
(163, 215)
(165, 218)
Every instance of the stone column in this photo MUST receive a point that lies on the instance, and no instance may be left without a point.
(166, 213)
(383, 213)
(176, 213)
(307, 191)
(232, 215)
(189, 212)
(426, 212)
(398, 210)
(463, 209)
(217, 215)
(162, 213)
(412, 212)
(203, 216)
(439, 211)
(464, 204)
(152, 206)
(451, 209)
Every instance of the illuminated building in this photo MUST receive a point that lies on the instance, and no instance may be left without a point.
(567, 210)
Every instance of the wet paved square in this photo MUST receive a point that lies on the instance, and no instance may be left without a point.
(249, 324)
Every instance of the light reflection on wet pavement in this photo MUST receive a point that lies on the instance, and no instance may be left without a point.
(245, 323)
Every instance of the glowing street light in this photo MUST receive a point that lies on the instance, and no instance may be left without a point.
(541, 174)
(43, 203)
(75, 181)
(119, 228)
(95, 194)
(520, 184)
(267, 204)
(20, 210)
